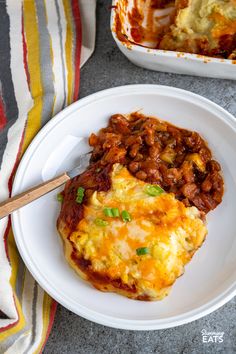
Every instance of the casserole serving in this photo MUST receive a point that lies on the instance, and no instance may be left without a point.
(137, 215)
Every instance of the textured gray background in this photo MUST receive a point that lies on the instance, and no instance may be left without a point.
(73, 334)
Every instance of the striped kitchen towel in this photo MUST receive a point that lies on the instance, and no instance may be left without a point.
(40, 58)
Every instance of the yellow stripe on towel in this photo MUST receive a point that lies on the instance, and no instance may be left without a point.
(69, 50)
(32, 40)
(47, 308)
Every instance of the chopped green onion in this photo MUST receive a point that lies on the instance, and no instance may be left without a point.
(153, 191)
(100, 222)
(115, 212)
(78, 200)
(108, 212)
(142, 251)
(125, 216)
(111, 212)
(80, 195)
(60, 197)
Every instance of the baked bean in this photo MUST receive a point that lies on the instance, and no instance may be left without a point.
(151, 123)
(111, 140)
(179, 158)
(141, 175)
(115, 154)
(187, 172)
(206, 185)
(186, 202)
(149, 137)
(194, 142)
(119, 124)
(149, 164)
(139, 157)
(164, 137)
(93, 139)
(176, 190)
(205, 154)
(210, 203)
(133, 139)
(217, 196)
(189, 190)
(151, 168)
(213, 165)
(154, 151)
(158, 152)
(199, 203)
(176, 135)
(155, 177)
(134, 166)
(134, 150)
(217, 181)
(171, 176)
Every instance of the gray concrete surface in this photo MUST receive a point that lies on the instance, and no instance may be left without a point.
(72, 334)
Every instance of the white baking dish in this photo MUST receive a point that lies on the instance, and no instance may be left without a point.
(170, 61)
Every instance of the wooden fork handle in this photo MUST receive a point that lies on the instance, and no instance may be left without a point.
(16, 202)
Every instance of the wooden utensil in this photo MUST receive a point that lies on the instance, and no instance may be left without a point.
(18, 201)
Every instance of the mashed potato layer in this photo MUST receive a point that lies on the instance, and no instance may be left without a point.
(203, 26)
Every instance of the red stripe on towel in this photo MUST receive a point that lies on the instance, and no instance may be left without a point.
(51, 321)
(25, 52)
(2, 329)
(3, 118)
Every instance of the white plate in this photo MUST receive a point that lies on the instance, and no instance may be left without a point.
(167, 60)
(210, 278)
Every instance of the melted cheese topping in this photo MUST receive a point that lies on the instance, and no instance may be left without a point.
(202, 20)
(170, 231)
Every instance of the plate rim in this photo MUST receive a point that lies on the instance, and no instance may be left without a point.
(83, 311)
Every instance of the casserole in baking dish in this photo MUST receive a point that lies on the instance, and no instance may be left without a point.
(178, 36)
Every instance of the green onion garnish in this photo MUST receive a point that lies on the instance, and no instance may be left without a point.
(100, 222)
(125, 216)
(154, 191)
(60, 197)
(142, 251)
(108, 212)
(111, 212)
(80, 195)
(115, 212)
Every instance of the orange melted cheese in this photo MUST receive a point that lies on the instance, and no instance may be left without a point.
(223, 26)
(170, 231)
